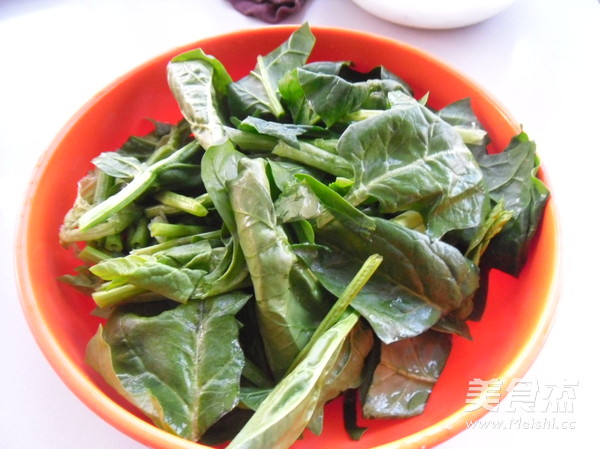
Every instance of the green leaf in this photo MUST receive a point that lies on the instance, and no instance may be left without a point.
(346, 373)
(295, 202)
(408, 157)
(149, 273)
(424, 270)
(393, 311)
(287, 313)
(405, 376)
(511, 179)
(257, 93)
(295, 100)
(220, 166)
(461, 117)
(198, 83)
(330, 96)
(494, 223)
(181, 367)
(283, 415)
(293, 94)
(286, 132)
(116, 165)
(508, 175)
(508, 250)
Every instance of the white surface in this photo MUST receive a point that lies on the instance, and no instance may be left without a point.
(539, 57)
(434, 14)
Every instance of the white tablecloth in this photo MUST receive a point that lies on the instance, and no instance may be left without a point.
(540, 58)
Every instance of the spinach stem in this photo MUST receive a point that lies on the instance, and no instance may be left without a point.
(316, 157)
(171, 230)
(192, 206)
(139, 234)
(105, 298)
(92, 255)
(248, 141)
(138, 185)
(341, 305)
(113, 243)
(174, 140)
(255, 375)
(153, 249)
(274, 103)
(103, 184)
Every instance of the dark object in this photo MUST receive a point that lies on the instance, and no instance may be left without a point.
(271, 11)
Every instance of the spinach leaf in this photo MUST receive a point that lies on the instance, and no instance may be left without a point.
(181, 176)
(423, 269)
(295, 100)
(330, 96)
(408, 157)
(181, 367)
(462, 118)
(511, 179)
(219, 167)
(407, 371)
(295, 202)
(289, 310)
(283, 415)
(293, 95)
(148, 272)
(346, 373)
(140, 184)
(393, 311)
(257, 94)
(286, 132)
(508, 251)
(508, 175)
(116, 165)
(198, 83)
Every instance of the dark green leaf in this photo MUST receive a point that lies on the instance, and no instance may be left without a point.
(219, 166)
(283, 415)
(462, 118)
(330, 96)
(346, 373)
(257, 94)
(393, 311)
(288, 312)
(149, 273)
(511, 178)
(181, 367)
(406, 157)
(424, 269)
(405, 376)
(286, 132)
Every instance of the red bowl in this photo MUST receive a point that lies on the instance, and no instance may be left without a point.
(505, 342)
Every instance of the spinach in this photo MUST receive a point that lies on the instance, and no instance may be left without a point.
(184, 387)
(257, 93)
(307, 232)
(408, 157)
(198, 83)
(287, 315)
(405, 376)
(284, 413)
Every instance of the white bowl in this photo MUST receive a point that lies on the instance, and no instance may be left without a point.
(434, 14)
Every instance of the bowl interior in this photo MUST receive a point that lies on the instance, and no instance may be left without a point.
(504, 342)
